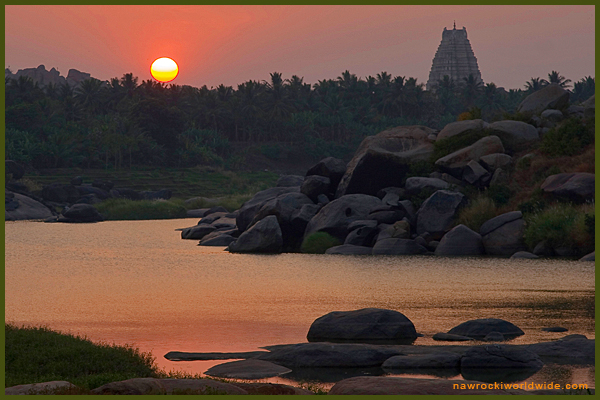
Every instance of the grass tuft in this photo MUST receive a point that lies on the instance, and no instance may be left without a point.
(37, 354)
(480, 210)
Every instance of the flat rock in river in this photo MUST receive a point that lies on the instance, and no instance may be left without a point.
(247, 369)
(323, 354)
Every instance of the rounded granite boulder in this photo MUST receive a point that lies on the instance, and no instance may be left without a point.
(368, 325)
(479, 328)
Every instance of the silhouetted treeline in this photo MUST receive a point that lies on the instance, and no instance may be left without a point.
(122, 122)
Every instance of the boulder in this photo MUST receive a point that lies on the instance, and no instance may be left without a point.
(209, 219)
(76, 181)
(438, 212)
(368, 223)
(386, 385)
(88, 189)
(460, 241)
(335, 217)
(552, 115)
(330, 167)
(89, 199)
(515, 132)
(82, 213)
(60, 193)
(551, 96)
(383, 160)
(167, 386)
(524, 254)
(322, 199)
(577, 350)
(247, 369)
(263, 388)
(575, 186)
(475, 174)
(348, 249)
(197, 232)
(415, 185)
(459, 127)
(314, 185)
(454, 163)
(479, 328)
(398, 230)
(262, 237)
(494, 337)
(328, 355)
(555, 329)
(252, 206)
(21, 207)
(39, 388)
(589, 257)
(290, 181)
(387, 215)
(500, 356)
(15, 169)
(302, 216)
(197, 213)
(400, 192)
(589, 107)
(362, 236)
(368, 325)
(494, 161)
(449, 337)
(102, 184)
(500, 177)
(222, 239)
(394, 246)
(503, 235)
(433, 360)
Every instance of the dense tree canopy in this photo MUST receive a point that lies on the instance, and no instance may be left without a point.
(122, 122)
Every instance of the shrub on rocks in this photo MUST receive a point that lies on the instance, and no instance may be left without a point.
(318, 243)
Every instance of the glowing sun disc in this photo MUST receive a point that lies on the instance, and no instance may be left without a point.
(164, 69)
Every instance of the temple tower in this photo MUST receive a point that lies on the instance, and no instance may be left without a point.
(454, 58)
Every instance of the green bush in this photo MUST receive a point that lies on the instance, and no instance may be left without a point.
(318, 243)
(124, 209)
(420, 168)
(480, 210)
(35, 355)
(500, 194)
(567, 139)
(449, 145)
(561, 225)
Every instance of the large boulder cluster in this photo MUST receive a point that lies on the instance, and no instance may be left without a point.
(375, 205)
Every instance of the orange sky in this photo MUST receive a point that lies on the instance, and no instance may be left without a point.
(232, 44)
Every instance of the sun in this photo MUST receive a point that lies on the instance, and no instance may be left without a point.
(164, 69)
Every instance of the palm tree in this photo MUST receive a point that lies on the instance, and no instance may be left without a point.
(557, 78)
(535, 84)
(471, 89)
(583, 89)
(88, 94)
(490, 101)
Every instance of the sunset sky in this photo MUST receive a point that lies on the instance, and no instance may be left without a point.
(233, 44)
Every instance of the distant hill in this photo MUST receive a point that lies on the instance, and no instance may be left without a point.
(44, 77)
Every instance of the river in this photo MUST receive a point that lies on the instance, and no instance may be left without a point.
(139, 283)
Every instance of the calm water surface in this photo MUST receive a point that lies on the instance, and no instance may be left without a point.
(137, 282)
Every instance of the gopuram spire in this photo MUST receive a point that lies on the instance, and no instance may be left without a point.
(454, 58)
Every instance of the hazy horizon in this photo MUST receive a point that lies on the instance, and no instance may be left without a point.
(232, 44)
